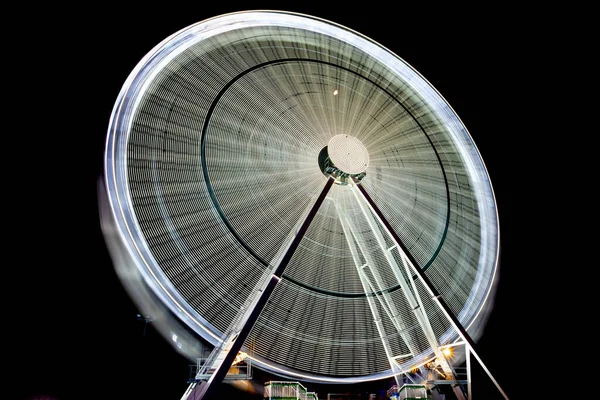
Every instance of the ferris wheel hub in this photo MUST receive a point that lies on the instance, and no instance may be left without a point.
(344, 157)
(348, 154)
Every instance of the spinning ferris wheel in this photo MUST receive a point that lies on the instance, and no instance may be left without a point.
(287, 187)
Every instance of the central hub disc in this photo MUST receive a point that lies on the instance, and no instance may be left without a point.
(348, 154)
(344, 158)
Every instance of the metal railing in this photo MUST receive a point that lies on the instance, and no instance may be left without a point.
(241, 371)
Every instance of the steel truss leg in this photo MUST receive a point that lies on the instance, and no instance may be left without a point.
(468, 358)
(435, 295)
(409, 288)
(410, 291)
(223, 356)
(350, 234)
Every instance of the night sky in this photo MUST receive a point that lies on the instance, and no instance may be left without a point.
(71, 331)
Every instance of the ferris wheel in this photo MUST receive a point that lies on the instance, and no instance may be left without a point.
(287, 187)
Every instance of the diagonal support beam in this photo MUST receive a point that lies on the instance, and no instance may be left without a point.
(377, 288)
(208, 389)
(435, 295)
(406, 283)
(349, 233)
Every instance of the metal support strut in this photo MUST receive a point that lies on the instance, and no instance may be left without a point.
(435, 295)
(208, 389)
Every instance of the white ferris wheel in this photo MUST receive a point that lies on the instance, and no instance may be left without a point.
(283, 186)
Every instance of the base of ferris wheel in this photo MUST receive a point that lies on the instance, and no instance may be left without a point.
(428, 381)
(436, 379)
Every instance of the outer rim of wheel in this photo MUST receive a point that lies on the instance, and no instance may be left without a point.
(115, 165)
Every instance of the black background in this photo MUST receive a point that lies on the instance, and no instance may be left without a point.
(71, 330)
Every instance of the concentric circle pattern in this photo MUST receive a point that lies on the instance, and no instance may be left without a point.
(348, 153)
(211, 165)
